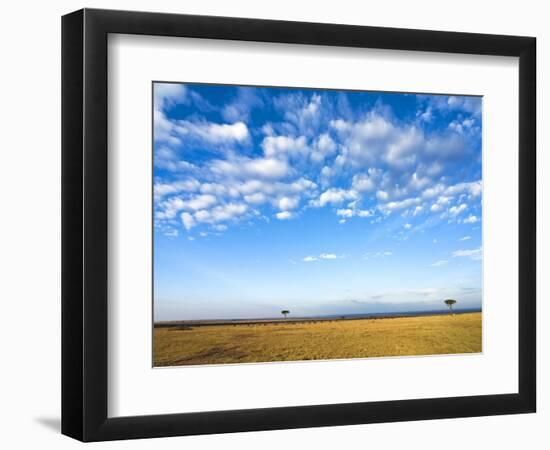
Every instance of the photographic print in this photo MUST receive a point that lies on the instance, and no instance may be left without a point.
(296, 224)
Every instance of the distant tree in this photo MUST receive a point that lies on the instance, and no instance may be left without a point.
(284, 312)
(450, 302)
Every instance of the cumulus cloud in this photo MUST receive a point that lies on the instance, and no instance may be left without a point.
(199, 202)
(286, 203)
(466, 104)
(347, 213)
(214, 132)
(397, 205)
(314, 151)
(223, 212)
(334, 196)
(162, 189)
(277, 146)
(245, 101)
(456, 210)
(470, 219)
(188, 220)
(367, 182)
(166, 158)
(284, 215)
(251, 167)
(169, 94)
(256, 198)
(172, 131)
(301, 111)
(323, 147)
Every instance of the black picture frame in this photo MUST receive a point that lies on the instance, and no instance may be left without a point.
(84, 224)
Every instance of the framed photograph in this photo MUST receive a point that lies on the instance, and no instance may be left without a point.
(267, 223)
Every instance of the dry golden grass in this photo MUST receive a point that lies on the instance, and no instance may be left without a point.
(339, 339)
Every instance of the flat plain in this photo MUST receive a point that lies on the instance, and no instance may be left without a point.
(243, 342)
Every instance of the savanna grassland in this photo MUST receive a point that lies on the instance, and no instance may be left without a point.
(335, 339)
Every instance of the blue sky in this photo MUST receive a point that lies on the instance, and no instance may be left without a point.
(317, 201)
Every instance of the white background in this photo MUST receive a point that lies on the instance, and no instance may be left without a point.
(137, 390)
(30, 226)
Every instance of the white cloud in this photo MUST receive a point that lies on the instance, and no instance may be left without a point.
(275, 146)
(286, 203)
(224, 132)
(172, 131)
(363, 213)
(169, 208)
(166, 158)
(322, 256)
(345, 212)
(397, 205)
(433, 191)
(334, 196)
(240, 108)
(439, 263)
(473, 188)
(284, 215)
(474, 254)
(221, 213)
(213, 188)
(373, 161)
(269, 168)
(465, 238)
(441, 202)
(340, 125)
(349, 212)
(323, 147)
(162, 189)
(256, 198)
(302, 111)
(417, 182)
(466, 104)
(470, 219)
(407, 226)
(199, 202)
(188, 220)
(463, 126)
(425, 116)
(456, 210)
(169, 94)
(367, 182)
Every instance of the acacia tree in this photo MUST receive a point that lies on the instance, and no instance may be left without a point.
(450, 302)
(284, 312)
